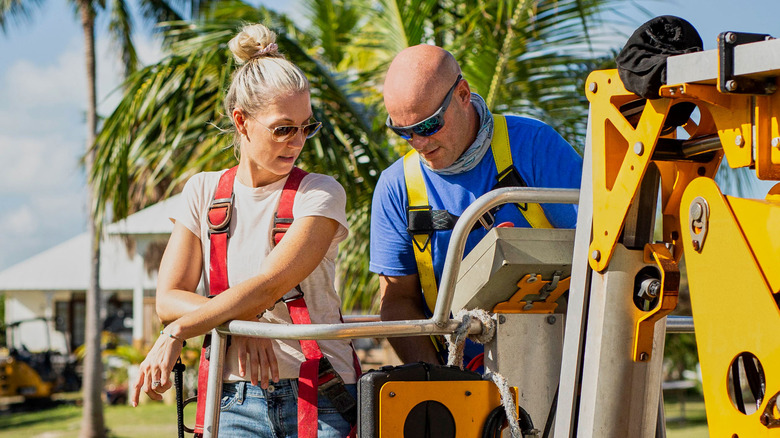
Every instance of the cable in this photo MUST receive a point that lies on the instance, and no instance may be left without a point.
(551, 415)
(476, 362)
(494, 423)
(178, 371)
(526, 425)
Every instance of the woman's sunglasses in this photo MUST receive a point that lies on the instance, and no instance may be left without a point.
(429, 126)
(285, 133)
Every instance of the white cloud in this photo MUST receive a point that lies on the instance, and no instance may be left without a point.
(22, 221)
(31, 86)
(38, 163)
(42, 133)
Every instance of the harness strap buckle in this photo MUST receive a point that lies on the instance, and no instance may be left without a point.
(219, 214)
(288, 297)
(487, 220)
(292, 296)
(332, 386)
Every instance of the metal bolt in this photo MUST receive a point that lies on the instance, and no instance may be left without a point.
(653, 288)
(501, 319)
(596, 255)
(593, 87)
(765, 419)
(776, 142)
(551, 319)
(468, 393)
(639, 148)
(731, 38)
(697, 211)
(392, 394)
(739, 141)
(532, 279)
(695, 245)
(649, 289)
(643, 357)
(731, 85)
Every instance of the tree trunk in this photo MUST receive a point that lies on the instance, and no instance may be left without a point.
(92, 422)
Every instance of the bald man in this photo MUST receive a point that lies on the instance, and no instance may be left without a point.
(450, 130)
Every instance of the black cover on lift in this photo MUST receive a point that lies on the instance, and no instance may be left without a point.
(642, 62)
(371, 382)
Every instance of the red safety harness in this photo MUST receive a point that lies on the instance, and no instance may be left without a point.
(316, 374)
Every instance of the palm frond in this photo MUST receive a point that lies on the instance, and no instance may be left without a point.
(17, 12)
(120, 27)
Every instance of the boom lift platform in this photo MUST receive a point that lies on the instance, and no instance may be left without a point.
(599, 374)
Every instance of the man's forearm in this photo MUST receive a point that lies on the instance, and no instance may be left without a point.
(411, 348)
(415, 349)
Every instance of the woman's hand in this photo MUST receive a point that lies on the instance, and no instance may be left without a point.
(259, 354)
(155, 370)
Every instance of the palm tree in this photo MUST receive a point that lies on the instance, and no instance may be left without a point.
(525, 57)
(120, 27)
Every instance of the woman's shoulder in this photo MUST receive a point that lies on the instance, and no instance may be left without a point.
(319, 181)
(204, 180)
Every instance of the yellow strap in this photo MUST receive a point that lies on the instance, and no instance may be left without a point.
(502, 155)
(418, 197)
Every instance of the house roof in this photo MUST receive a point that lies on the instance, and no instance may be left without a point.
(66, 266)
(154, 219)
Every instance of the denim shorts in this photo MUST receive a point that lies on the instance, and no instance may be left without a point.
(249, 410)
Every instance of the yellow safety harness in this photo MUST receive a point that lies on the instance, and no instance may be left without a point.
(418, 204)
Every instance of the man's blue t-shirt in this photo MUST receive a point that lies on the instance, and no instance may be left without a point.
(543, 159)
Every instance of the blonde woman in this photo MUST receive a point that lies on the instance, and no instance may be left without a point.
(226, 236)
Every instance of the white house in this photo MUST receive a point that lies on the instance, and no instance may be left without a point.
(53, 284)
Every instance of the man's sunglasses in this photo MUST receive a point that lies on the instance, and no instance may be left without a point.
(429, 126)
(288, 132)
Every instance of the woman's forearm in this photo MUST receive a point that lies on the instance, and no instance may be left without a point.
(173, 304)
(243, 301)
(290, 262)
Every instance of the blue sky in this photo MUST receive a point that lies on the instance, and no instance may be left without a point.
(42, 93)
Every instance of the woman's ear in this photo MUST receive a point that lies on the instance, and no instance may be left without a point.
(239, 121)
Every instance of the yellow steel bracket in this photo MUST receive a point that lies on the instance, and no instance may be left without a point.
(620, 154)
(768, 133)
(667, 300)
(731, 114)
(529, 287)
(734, 281)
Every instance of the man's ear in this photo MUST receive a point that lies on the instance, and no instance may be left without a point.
(239, 121)
(463, 92)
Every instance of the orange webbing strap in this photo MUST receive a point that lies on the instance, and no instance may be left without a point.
(218, 220)
(316, 368)
(502, 154)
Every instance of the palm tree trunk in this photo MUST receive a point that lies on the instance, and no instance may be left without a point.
(92, 423)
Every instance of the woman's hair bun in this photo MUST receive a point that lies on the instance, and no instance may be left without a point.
(254, 41)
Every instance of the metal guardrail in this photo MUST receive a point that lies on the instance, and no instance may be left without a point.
(440, 323)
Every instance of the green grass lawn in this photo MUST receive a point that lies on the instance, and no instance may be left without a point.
(153, 420)
(149, 420)
(692, 425)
